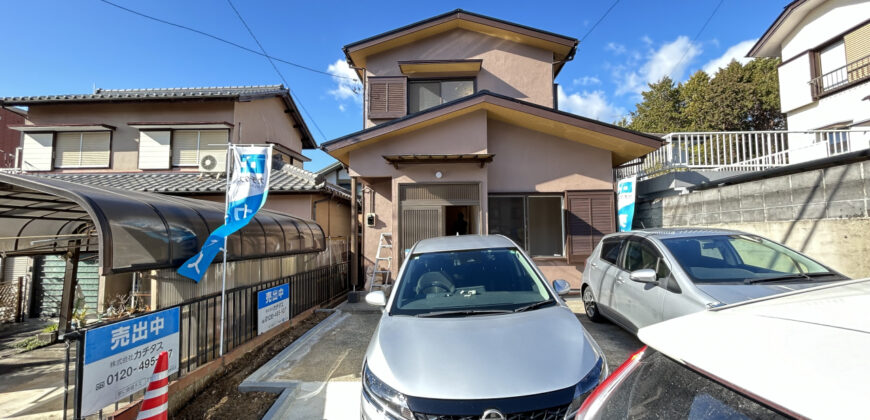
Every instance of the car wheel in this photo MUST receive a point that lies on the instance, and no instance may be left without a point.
(590, 306)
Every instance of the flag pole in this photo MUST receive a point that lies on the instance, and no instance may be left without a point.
(224, 265)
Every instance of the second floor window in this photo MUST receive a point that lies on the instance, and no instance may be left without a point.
(188, 146)
(424, 94)
(82, 149)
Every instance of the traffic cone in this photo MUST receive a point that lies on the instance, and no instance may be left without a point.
(155, 405)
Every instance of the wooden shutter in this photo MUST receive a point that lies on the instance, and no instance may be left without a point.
(95, 149)
(154, 149)
(591, 215)
(36, 151)
(184, 148)
(387, 97)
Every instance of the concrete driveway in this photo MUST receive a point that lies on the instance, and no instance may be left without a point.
(318, 376)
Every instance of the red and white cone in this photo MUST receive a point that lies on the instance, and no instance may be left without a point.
(155, 405)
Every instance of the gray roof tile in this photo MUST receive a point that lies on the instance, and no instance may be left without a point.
(288, 179)
(154, 94)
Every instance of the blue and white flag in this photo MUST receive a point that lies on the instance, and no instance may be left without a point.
(625, 202)
(248, 188)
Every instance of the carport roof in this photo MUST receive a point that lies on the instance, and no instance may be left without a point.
(134, 230)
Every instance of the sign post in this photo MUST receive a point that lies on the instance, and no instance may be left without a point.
(119, 358)
(273, 307)
(625, 196)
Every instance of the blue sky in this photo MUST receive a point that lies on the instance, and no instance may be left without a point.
(55, 47)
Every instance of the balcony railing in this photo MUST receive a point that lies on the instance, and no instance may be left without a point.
(841, 78)
(742, 151)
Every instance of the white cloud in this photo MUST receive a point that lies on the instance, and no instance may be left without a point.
(348, 85)
(735, 52)
(590, 104)
(586, 81)
(647, 40)
(670, 59)
(616, 48)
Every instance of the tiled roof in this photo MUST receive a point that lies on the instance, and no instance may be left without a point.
(288, 179)
(155, 94)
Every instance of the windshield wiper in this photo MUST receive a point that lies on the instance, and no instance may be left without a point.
(796, 276)
(533, 306)
(464, 312)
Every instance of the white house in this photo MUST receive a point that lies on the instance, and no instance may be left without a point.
(825, 50)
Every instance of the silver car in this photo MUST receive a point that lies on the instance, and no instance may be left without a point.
(473, 330)
(643, 277)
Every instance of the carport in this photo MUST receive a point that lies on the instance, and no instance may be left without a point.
(130, 231)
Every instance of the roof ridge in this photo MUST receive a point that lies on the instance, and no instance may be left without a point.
(313, 177)
(102, 90)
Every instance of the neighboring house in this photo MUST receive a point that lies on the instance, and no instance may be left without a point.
(336, 174)
(825, 50)
(174, 141)
(462, 135)
(9, 138)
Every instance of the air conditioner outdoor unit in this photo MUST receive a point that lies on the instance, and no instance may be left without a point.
(213, 161)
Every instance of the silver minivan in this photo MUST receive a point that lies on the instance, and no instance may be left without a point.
(642, 277)
(473, 330)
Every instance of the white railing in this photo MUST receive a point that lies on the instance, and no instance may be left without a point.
(742, 150)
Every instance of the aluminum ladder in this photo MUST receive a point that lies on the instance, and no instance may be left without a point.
(384, 242)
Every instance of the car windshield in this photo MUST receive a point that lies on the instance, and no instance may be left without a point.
(740, 259)
(468, 281)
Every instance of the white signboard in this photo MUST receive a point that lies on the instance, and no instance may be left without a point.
(273, 307)
(119, 358)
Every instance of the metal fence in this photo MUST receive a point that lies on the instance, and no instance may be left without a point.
(199, 333)
(741, 150)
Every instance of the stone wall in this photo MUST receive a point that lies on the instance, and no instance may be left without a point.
(822, 213)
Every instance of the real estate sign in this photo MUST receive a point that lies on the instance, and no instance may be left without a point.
(625, 202)
(273, 307)
(119, 358)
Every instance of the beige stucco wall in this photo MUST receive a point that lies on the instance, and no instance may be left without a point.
(263, 120)
(377, 195)
(465, 134)
(529, 161)
(509, 68)
(125, 139)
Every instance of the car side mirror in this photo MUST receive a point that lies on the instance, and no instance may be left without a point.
(646, 275)
(561, 287)
(376, 298)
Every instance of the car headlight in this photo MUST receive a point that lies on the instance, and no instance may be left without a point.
(392, 403)
(586, 385)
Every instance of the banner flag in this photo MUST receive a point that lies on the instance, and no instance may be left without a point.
(625, 202)
(248, 188)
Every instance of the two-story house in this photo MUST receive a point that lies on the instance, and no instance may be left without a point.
(170, 141)
(9, 138)
(824, 46)
(462, 135)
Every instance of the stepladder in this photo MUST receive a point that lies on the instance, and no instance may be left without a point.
(380, 276)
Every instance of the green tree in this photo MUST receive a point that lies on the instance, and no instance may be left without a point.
(695, 101)
(661, 109)
(764, 112)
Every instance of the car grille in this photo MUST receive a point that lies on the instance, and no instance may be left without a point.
(555, 413)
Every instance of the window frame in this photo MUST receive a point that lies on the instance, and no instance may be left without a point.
(198, 146)
(660, 255)
(816, 64)
(440, 80)
(54, 143)
(621, 239)
(525, 244)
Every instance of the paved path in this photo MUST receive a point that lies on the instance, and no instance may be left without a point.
(318, 376)
(32, 384)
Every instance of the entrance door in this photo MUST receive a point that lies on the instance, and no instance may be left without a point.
(420, 223)
(458, 220)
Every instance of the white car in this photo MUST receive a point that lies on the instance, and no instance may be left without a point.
(803, 355)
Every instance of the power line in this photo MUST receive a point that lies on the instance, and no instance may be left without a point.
(225, 41)
(689, 47)
(599, 21)
(281, 75)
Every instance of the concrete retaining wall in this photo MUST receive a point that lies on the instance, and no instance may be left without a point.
(823, 213)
